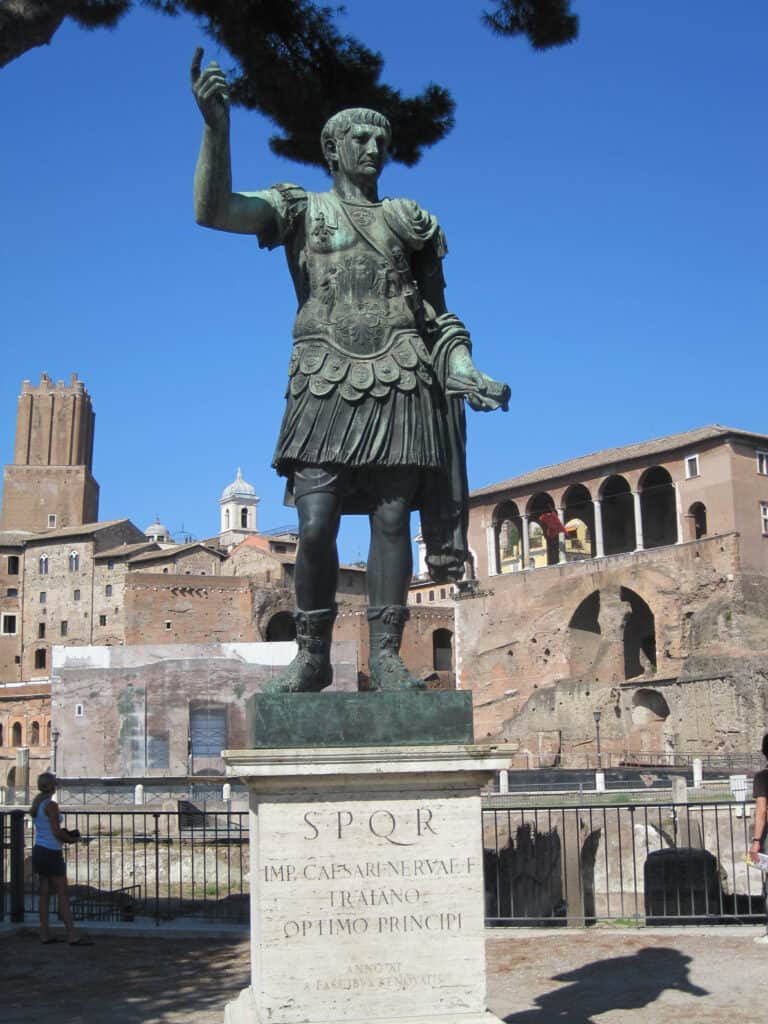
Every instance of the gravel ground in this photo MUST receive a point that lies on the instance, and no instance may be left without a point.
(535, 976)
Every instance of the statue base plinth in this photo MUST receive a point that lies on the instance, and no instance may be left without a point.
(366, 878)
(380, 718)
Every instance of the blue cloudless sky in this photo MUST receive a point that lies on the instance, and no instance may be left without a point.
(604, 204)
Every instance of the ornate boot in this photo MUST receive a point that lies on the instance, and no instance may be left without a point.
(310, 671)
(385, 626)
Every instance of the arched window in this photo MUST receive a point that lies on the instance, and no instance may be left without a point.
(649, 706)
(244, 518)
(42, 565)
(658, 507)
(579, 521)
(618, 509)
(442, 650)
(41, 657)
(74, 561)
(16, 734)
(34, 734)
(281, 627)
(698, 519)
(2, 740)
(226, 518)
(543, 541)
(508, 544)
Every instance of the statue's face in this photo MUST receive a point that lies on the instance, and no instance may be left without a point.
(361, 152)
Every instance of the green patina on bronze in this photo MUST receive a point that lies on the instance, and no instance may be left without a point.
(378, 375)
(385, 718)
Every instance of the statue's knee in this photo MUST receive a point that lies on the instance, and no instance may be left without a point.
(393, 523)
(317, 535)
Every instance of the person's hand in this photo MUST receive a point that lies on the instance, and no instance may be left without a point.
(210, 89)
(483, 393)
(754, 850)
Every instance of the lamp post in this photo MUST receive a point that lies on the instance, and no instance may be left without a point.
(55, 737)
(597, 715)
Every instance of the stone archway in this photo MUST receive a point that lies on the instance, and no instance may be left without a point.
(658, 507)
(639, 635)
(280, 628)
(618, 512)
(507, 538)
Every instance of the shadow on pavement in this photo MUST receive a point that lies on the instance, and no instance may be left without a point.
(123, 980)
(621, 983)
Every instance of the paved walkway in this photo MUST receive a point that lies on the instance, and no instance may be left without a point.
(535, 976)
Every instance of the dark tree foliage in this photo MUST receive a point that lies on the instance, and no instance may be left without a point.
(297, 69)
(545, 22)
(291, 62)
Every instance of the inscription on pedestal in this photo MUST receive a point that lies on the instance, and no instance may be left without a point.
(369, 909)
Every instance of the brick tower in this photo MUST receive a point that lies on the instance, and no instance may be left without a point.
(49, 485)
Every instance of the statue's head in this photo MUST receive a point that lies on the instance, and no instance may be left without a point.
(355, 135)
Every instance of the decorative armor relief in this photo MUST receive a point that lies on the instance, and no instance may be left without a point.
(321, 366)
(357, 332)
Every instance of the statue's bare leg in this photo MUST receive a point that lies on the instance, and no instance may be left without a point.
(317, 570)
(390, 565)
(317, 560)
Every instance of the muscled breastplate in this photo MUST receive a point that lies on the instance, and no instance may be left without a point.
(357, 329)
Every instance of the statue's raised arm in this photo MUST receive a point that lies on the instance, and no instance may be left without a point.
(216, 205)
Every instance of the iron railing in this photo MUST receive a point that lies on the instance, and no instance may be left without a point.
(591, 760)
(631, 862)
(162, 864)
(637, 863)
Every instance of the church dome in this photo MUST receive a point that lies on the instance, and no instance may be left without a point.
(157, 532)
(239, 488)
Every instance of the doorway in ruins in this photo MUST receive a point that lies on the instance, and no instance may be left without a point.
(610, 639)
(639, 635)
(281, 628)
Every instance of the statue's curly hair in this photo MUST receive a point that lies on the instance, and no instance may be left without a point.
(337, 126)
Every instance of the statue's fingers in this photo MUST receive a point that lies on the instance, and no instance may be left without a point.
(194, 70)
(213, 87)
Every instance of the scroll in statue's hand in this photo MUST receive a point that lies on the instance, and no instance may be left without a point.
(483, 393)
(210, 89)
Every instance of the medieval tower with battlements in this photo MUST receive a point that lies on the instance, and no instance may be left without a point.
(49, 485)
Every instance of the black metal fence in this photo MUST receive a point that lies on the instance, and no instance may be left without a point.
(637, 863)
(643, 863)
(161, 864)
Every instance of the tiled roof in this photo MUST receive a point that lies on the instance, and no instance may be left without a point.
(126, 549)
(609, 456)
(177, 549)
(15, 538)
(84, 530)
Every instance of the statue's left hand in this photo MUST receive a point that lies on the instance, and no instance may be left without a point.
(483, 393)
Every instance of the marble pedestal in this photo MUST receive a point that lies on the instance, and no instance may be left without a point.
(366, 877)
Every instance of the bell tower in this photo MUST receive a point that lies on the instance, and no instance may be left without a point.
(49, 485)
(237, 506)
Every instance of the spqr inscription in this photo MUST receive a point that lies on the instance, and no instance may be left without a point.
(403, 829)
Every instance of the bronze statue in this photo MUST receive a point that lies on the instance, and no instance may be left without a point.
(374, 419)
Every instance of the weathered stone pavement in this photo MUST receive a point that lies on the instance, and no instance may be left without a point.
(535, 976)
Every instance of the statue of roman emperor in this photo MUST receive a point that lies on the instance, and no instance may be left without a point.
(378, 374)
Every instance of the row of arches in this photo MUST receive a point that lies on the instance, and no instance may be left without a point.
(20, 734)
(616, 520)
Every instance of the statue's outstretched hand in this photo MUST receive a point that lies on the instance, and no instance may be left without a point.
(483, 393)
(210, 89)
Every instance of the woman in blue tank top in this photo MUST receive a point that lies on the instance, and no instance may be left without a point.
(48, 860)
